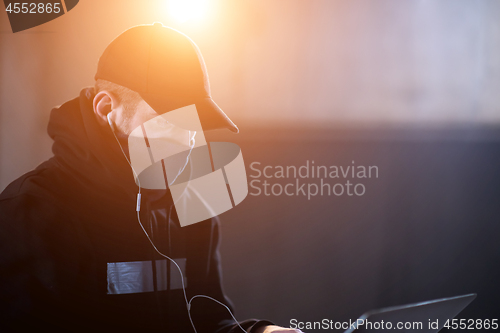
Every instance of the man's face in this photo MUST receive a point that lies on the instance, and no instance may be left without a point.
(166, 143)
(127, 119)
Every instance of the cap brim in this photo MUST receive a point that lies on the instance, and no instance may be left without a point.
(211, 115)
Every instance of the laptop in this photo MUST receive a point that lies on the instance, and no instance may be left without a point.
(425, 317)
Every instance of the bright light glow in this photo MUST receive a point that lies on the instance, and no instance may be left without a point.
(187, 10)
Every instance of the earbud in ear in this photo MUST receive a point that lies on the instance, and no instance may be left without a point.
(109, 120)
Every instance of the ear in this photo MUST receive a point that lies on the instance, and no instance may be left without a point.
(104, 103)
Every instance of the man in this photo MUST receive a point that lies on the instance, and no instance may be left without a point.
(73, 256)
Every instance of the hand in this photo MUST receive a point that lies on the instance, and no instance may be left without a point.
(276, 329)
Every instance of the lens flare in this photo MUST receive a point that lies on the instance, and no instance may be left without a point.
(187, 10)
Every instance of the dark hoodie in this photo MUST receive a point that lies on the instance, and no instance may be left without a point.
(64, 225)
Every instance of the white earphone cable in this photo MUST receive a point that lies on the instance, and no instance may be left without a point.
(138, 209)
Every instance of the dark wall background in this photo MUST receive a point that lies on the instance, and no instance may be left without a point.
(427, 228)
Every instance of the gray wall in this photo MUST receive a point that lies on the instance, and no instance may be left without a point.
(272, 62)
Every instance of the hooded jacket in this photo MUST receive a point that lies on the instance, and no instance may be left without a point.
(74, 258)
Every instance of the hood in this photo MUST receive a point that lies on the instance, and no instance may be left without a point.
(89, 151)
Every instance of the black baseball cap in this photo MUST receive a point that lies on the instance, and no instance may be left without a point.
(166, 68)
